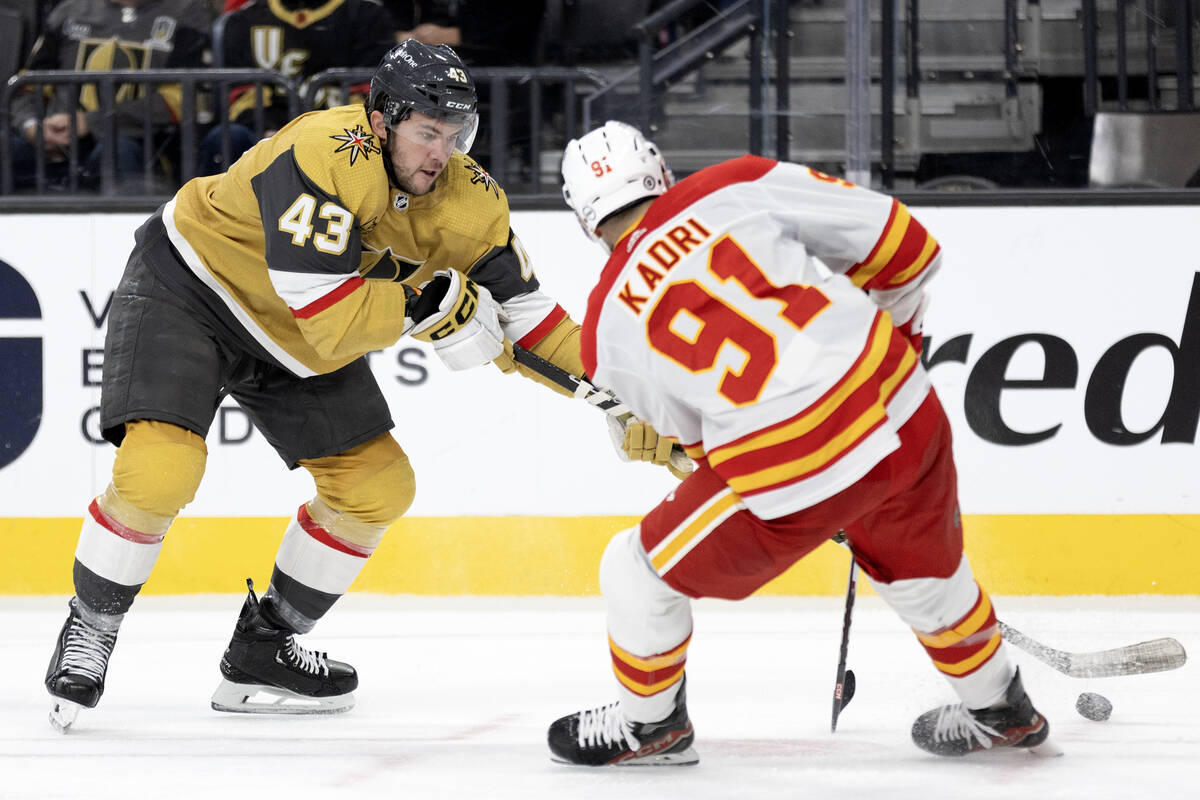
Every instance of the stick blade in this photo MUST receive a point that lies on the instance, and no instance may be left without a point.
(1156, 655)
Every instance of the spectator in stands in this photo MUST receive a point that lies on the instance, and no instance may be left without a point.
(298, 38)
(105, 35)
(486, 34)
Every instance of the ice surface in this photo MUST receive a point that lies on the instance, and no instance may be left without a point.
(456, 695)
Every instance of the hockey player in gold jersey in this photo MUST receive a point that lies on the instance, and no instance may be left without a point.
(347, 229)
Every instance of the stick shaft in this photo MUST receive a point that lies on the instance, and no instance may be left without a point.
(586, 390)
(840, 683)
(580, 387)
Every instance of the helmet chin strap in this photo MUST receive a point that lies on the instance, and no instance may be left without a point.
(388, 167)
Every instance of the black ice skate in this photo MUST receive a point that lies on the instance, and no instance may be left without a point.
(956, 731)
(75, 677)
(603, 737)
(265, 671)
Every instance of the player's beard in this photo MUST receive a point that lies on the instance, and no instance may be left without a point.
(406, 181)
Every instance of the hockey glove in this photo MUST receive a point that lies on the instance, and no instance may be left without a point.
(505, 361)
(459, 318)
(635, 440)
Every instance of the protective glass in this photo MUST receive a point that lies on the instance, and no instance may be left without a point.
(445, 132)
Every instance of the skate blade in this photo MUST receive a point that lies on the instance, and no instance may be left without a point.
(252, 698)
(63, 714)
(1047, 749)
(683, 758)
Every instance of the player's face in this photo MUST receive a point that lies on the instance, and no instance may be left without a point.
(420, 147)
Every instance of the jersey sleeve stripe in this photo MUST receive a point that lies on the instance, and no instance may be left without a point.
(328, 299)
(542, 328)
(914, 254)
(928, 254)
(885, 247)
(903, 253)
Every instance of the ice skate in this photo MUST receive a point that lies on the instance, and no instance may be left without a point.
(603, 737)
(75, 677)
(955, 730)
(265, 671)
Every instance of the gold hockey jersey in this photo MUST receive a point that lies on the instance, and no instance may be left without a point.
(307, 244)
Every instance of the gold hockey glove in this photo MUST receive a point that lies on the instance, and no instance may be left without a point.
(635, 440)
(505, 361)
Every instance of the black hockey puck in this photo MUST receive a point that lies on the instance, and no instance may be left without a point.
(1094, 706)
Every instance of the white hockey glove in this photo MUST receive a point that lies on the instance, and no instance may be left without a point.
(458, 317)
(635, 440)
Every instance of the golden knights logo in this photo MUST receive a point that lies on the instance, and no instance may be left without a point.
(385, 264)
(479, 175)
(358, 142)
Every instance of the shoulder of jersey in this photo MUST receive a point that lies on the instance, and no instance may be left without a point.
(478, 197)
(336, 150)
(467, 180)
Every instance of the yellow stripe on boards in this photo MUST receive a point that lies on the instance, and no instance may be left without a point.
(1010, 554)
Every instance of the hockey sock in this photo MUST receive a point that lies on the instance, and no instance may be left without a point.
(317, 563)
(117, 549)
(648, 685)
(954, 620)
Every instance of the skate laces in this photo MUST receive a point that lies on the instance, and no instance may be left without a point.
(607, 724)
(957, 722)
(310, 661)
(87, 649)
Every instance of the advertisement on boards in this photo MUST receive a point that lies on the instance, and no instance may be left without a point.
(1063, 342)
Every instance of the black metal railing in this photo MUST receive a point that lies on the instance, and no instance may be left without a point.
(1156, 18)
(198, 88)
(551, 102)
(658, 66)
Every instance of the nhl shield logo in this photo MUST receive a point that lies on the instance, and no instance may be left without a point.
(400, 202)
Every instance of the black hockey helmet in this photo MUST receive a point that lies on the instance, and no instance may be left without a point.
(429, 79)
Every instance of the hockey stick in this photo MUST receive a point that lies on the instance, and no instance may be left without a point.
(584, 389)
(1157, 655)
(843, 687)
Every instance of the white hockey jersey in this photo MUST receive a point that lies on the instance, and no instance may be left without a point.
(749, 314)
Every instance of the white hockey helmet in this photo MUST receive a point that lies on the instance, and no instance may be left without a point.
(610, 169)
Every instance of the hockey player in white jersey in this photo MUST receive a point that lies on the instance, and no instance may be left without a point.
(768, 317)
